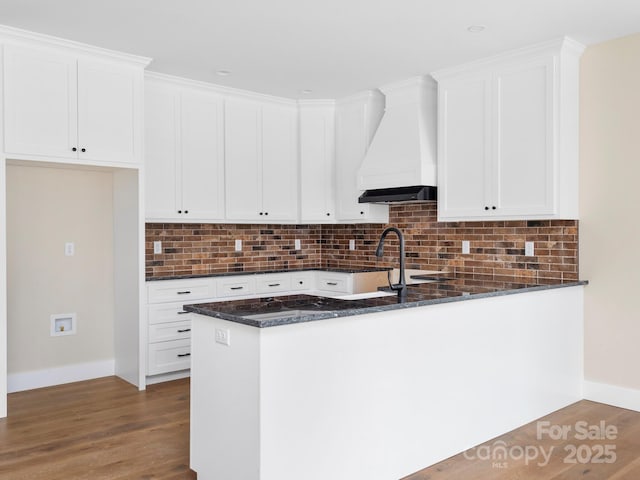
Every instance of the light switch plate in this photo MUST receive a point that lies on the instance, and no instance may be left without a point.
(296, 244)
(69, 249)
(466, 247)
(352, 244)
(238, 245)
(157, 247)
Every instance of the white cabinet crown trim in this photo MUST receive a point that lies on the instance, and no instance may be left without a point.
(539, 49)
(219, 89)
(12, 34)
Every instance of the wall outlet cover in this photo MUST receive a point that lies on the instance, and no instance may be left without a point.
(529, 249)
(238, 245)
(223, 336)
(466, 247)
(157, 247)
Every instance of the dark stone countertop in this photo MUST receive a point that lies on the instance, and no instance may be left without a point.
(290, 309)
(264, 272)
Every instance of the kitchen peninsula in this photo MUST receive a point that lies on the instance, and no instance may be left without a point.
(305, 387)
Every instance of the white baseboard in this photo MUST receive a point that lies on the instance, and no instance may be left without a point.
(622, 397)
(17, 382)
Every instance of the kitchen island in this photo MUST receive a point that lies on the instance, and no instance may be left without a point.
(305, 387)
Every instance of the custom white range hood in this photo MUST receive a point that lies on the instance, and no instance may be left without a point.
(401, 160)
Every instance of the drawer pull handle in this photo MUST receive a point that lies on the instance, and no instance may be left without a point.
(182, 313)
(184, 355)
(186, 292)
(237, 288)
(184, 330)
(274, 284)
(333, 284)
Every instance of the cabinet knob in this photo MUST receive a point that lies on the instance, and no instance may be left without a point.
(83, 150)
(186, 211)
(328, 214)
(486, 208)
(493, 208)
(266, 213)
(179, 211)
(361, 213)
(261, 213)
(74, 149)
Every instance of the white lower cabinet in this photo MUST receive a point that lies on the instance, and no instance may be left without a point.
(165, 357)
(169, 325)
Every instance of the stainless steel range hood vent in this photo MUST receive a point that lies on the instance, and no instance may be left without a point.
(402, 152)
(418, 193)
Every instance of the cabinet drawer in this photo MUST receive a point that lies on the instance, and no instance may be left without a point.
(236, 287)
(273, 283)
(167, 357)
(180, 290)
(334, 283)
(163, 332)
(167, 312)
(302, 281)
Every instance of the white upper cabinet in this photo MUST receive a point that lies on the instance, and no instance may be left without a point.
(507, 136)
(317, 162)
(80, 108)
(184, 154)
(109, 112)
(356, 121)
(40, 102)
(261, 161)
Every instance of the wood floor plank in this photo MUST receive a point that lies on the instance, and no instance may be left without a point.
(100, 429)
(626, 446)
(105, 429)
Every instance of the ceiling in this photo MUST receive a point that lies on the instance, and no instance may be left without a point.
(332, 47)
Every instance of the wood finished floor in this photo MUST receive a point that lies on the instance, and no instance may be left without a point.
(105, 429)
(95, 430)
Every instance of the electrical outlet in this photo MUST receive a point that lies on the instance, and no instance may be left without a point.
(297, 245)
(157, 247)
(69, 249)
(466, 247)
(238, 245)
(223, 336)
(529, 249)
(352, 244)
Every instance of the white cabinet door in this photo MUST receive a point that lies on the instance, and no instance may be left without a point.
(108, 112)
(523, 161)
(162, 173)
(279, 163)
(317, 163)
(40, 102)
(464, 145)
(356, 122)
(243, 185)
(202, 156)
(513, 122)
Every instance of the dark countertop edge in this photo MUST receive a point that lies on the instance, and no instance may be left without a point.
(265, 272)
(375, 309)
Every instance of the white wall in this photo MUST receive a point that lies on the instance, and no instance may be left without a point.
(47, 207)
(610, 212)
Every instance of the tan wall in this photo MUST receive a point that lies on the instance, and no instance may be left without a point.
(47, 207)
(610, 210)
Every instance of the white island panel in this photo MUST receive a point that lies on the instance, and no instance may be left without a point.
(379, 395)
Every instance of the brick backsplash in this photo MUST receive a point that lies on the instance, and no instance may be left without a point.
(497, 248)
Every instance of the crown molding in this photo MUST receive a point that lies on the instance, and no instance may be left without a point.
(217, 89)
(12, 34)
